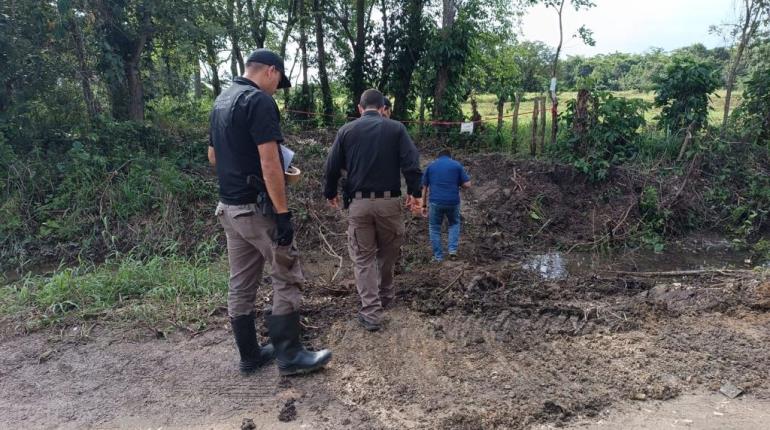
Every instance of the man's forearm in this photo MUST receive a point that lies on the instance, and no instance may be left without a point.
(413, 180)
(276, 189)
(212, 157)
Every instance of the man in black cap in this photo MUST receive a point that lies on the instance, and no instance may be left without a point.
(245, 134)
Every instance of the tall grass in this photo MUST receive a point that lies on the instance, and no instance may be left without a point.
(170, 289)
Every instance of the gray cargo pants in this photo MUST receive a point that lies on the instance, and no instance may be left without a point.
(249, 245)
(375, 234)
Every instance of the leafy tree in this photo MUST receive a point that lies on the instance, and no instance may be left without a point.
(496, 71)
(683, 92)
(533, 59)
(410, 35)
(752, 117)
(753, 12)
(454, 45)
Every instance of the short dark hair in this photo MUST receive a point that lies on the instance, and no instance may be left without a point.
(445, 151)
(371, 99)
(255, 65)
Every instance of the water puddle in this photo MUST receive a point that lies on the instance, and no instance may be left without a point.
(690, 254)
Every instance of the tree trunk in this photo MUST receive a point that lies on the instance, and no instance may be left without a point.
(291, 18)
(408, 57)
(92, 107)
(422, 114)
(359, 51)
(542, 125)
(303, 50)
(126, 94)
(500, 108)
(580, 124)
(687, 140)
(747, 30)
(554, 71)
(291, 78)
(197, 85)
(515, 124)
(257, 23)
(323, 77)
(135, 91)
(236, 58)
(533, 142)
(133, 74)
(211, 58)
(442, 76)
(387, 43)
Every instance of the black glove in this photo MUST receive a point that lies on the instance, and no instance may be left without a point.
(285, 229)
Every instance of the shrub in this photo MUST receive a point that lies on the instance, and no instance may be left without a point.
(600, 132)
(752, 117)
(683, 91)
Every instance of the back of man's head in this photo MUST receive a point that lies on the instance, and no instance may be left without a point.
(371, 99)
(445, 152)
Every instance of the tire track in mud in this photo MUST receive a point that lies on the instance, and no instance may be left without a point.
(507, 306)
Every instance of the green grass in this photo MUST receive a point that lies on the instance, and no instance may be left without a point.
(158, 291)
(487, 105)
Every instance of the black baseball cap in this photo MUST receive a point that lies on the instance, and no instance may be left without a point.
(270, 58)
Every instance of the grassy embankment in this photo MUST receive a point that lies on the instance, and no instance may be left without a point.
(162, 253)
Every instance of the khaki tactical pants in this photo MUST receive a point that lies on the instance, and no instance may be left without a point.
(249, 245)
(375, 234)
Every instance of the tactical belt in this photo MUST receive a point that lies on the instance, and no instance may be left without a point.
(376, 194)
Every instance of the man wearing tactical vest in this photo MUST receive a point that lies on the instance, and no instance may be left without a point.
(245, 137)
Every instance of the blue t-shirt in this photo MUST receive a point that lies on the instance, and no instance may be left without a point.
(443, 178)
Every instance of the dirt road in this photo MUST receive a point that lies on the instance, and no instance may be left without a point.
(451, 370)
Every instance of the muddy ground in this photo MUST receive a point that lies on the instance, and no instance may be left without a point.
(477, 343)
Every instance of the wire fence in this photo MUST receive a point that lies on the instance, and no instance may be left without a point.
(511, 132)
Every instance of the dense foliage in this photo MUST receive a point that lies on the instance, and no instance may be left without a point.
(683, 90)
(601, 131)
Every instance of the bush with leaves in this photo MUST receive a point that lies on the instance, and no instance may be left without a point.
(683, 92)
(116, 187)
(752, 118)
(601, 131)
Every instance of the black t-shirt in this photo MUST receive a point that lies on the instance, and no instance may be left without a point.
(243, 117)
(373, 150)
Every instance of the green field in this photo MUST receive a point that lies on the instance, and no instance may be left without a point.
(488, 105)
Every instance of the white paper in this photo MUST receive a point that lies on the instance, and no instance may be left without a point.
(288, 155)
(466, 127)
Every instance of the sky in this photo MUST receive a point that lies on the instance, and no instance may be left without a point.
(632, 26)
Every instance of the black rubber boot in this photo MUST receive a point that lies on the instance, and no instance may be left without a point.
(292, 357)
(252, 355)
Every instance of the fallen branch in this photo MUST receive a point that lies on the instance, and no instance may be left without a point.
(545, 224)
(330, 250)
(462, 272)
(682, 272)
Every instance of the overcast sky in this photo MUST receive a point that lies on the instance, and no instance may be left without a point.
(632, 25)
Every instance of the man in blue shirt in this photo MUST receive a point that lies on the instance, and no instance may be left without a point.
(441, 185)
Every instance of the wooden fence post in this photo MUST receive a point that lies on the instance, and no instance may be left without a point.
(515, 124)
(533, 142)
(542, 125)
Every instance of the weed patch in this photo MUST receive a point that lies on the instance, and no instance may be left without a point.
(158, 290)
